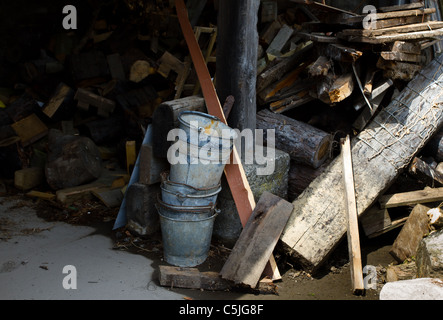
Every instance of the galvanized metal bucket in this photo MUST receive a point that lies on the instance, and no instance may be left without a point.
(186, 242)
(180, 194)
(184, 212)
(203, 168)
(203, 129)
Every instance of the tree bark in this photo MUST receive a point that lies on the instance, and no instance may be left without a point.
(304, 143)
(237, 47)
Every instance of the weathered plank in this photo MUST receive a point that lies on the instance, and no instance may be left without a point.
(379, 154)
(393, 14)
(192, 278)
(253, 248)
(352, 219)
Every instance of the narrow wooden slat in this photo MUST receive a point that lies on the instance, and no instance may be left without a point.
(352, 219)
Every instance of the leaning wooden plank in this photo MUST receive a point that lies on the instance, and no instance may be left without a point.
(234, 172)
(411, 198)
(352, 219)
(380, 153)
(251, 252)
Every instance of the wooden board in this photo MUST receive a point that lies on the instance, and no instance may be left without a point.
(402, 7)
(411, 198)
(30, 129)
(251, 252)
(317, 223)
(352, 219)
(192, 278)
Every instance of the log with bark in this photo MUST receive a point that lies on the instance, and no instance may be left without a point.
(304, 143)
(380, 153)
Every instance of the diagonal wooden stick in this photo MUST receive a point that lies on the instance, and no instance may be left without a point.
(234, 172)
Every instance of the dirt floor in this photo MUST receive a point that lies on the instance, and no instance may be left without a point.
(331, 282)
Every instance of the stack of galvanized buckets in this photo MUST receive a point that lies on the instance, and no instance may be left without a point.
(187, 207)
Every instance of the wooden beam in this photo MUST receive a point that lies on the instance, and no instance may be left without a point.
(352, 219)
(251, 252)
(393, 14)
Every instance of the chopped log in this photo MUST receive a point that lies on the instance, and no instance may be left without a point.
(411, 198)
(342, 53)
(253, 248)
(270, 32)
(425, 173)
(87, 65)
(30, 129)
(341, 88)
(282, 37)
(304, 143)
(317, 223)
(86, 98)
(116, 66)
(398, 70)
(40, 195)
(416, 227)
(72, 160)
(400, 56)
(63, 95)
(131, 155)
(280, 69)
(26, 179)
(352, 219)
(165, 118)
(320, 67)
(192, 278)
(435, 218)
(406, 47)
(375, 220)
(404, 271)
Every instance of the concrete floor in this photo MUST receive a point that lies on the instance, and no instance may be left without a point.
(33, 253)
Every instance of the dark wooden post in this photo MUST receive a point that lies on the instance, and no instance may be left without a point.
(237, 46)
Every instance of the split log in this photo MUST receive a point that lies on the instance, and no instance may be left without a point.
(425, 173)
(304, 143)
(165, 118)
(63, 96)
(72, 160)
(28, 178)
(85, 98)
(380, 153)
(30, 129)
(407, 242)
(435, 218)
